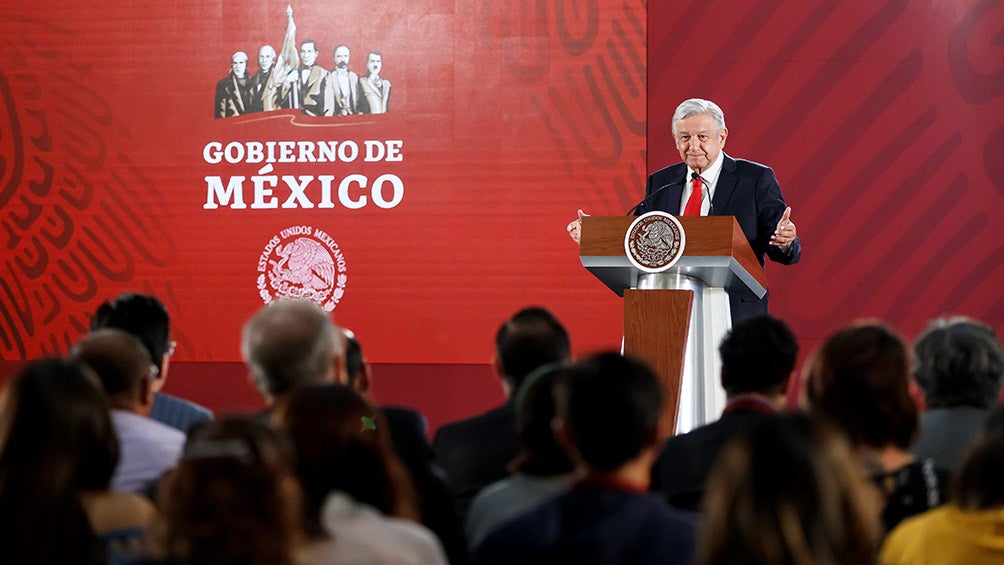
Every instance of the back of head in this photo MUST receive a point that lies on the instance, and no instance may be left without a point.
(789, 490)
(233, 498)
(343, 443)
(540, 454)
(354, 360)
(529, 339)
(119, 360)
(290, 343)
(758, 356)
(56, 440)
(960, 362)
(141, 315)
(978, 484)
(610, 405)
(859, 379)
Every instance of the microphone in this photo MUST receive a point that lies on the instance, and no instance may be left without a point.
(634, 209)
(705, 191)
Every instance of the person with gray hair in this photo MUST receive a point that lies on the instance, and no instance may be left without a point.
(233, 92)
(289, 344)
(710, 183)
(959, 364)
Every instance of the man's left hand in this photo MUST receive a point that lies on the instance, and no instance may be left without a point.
(784, 233)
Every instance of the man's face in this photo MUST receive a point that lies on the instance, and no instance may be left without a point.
(342, 57)
(239, 65)
(265, 58)
(308, 54)
(699, 141)
(374, 63)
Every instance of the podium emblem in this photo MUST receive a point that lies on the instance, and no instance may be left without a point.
(654, 242)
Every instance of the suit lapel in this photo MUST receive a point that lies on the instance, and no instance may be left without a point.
(726, 187)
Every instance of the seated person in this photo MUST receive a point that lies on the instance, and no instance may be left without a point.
(540, 471)
(608, 409)
(359, 506)
(148, 448)
(146, 318)
(788, 489)
(859, 380)
(57, 456)
(233, 498)
(960, 367)
(969, 529)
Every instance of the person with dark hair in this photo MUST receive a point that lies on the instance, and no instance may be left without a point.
(289, 344)
(233, 499)
(960, 367)
(970, 528)
(341, 91)
(476, 452)
(145, 317)
(359, 506)
(758, 356)
(608, 409)
(540, 471)
(305, 86)
(859, 379)
(408, 431)
(788, 489)
(57, 454)
(374, 90)
(148, 448)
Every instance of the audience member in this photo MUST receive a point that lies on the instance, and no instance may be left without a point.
(960, 366)
(289, 344)
(789, 490)
(476, 452)
(758, 356)
(57, 454)
(970, 528)
(359, 504)
(148, 448)
(145, 317)
(408, 436)
(540, 471)
(233, 499)
(859, 379)
(608, 409)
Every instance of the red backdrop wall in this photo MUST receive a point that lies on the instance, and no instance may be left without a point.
(882, 121)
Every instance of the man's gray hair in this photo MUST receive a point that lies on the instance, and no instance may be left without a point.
(696, 106)
(290, 343)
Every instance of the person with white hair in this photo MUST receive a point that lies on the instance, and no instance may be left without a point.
(708, 182)
(233, 93)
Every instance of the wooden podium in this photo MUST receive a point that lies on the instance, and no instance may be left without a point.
(676, 319)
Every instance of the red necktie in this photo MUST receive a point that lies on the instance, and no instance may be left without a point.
(693, 207)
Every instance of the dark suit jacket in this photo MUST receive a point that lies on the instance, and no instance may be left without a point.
(593, 526)
(408, 433)
(747, 190)
(476, 452)
(232, 99)
(683, 464)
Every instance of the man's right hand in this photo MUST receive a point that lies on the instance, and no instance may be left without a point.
(575, 227)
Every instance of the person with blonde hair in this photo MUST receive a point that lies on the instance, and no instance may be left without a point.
(789, 490)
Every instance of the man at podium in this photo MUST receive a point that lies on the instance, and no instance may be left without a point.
(710, 183)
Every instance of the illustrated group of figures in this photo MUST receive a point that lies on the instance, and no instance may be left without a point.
(306, 86)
